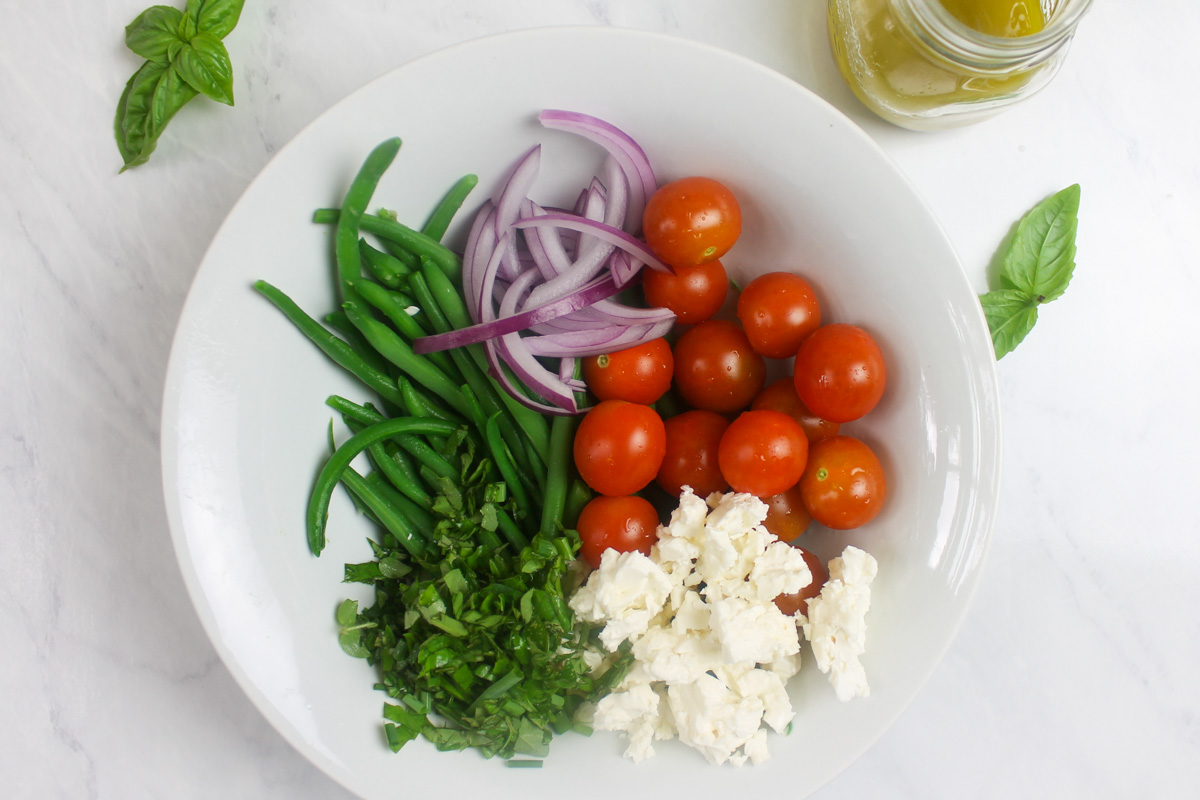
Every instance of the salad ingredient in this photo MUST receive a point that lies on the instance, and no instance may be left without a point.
(554, 272)
(778, 310)
(712, 650)
(843, 485)
(998, 17)
(691, 454)
(693, 293)
(787, 517)
(781, 396)
(470, 623)
(716, 369)
(797, 602)
(184, 58)
(619, 447)
(692, 220)
(836, 625)
(621, 524)
(639, 374)
(1036, 268)
(839, 372)
(475, 634)
(763, 453)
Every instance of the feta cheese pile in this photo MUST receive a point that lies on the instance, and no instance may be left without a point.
(713, 652)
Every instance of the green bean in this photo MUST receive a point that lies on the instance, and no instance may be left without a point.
(392, 231)
(331, 472)
(363, 414)
(510, 530)
(395, 306)
(354, 206)
(435, 227)
(353, 336)
(388, 514)
(477, 416)
(390, 469)
(396, 350)
(485, 390)
(430, 459)
(338, 350)
(532, 423)
(445, 295)
(421, 405)
(503, 463)
(386, 268)
(578, 496)
(421, 519)
(562, 431)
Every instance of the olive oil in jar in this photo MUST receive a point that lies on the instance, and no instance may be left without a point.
(928, 64)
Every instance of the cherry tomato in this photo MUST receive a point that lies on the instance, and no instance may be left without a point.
(843, 485)
(619, 447)
(691, 460)
(787, 517)
(781, 396)
(639, 374)
(763, 453)
(691, 221)
(791, 604)
(716, 368)
(694, 293)
(839, 372)
(778, 310)
(623, 524)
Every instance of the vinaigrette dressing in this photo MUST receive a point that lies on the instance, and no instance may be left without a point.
(928, 64)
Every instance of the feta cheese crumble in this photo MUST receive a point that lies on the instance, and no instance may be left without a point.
(836, 626)
(713, 652)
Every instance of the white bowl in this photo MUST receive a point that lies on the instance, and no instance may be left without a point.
(244, 421)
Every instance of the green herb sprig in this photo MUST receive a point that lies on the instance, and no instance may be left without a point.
(185, 57)
(1036, 269)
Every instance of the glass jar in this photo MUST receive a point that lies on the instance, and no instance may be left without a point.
(915, 64)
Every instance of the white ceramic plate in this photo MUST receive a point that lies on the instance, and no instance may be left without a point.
(244, 424)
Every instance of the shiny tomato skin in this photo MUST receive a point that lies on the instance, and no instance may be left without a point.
(619, 446)
(716, 369)
(691, 459)
(693, 293)
(791, 604)
(843, 486)
(839, 372)
(763, 453)
(787, 517)
(781, 396)
(778, 311)
(624, 524)
(691, 220)
(639, 374)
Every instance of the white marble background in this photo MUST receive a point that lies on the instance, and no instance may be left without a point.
(1075, 673)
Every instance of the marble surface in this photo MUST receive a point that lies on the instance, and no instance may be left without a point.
(1074, 674)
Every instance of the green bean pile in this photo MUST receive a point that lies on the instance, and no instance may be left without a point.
(472, 492)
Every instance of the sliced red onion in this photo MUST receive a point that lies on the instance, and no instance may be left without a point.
(553, 273)
(580, 344)
(599, 289)
(624, 149)
(606, 233)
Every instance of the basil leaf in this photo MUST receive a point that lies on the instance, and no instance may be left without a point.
(151, 98)
(352, 645)
(347, 613)
(151, 34)
(1011, 314)
(1041, 258)
(218, 17)
(204, 64)
(188, 26)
